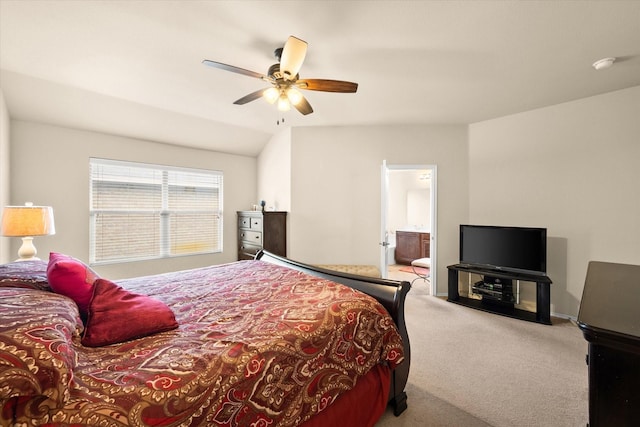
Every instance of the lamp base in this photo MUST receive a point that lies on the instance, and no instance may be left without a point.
(27, 251)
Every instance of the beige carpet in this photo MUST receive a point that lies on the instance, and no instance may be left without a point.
(471, 368)
(415, 270)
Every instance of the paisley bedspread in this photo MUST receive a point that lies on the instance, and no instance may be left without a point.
(257, 345)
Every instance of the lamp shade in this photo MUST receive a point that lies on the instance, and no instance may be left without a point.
(283, 103)
(294, 95)
(28, 220)
(271, 95)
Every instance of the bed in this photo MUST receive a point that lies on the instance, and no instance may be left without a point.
(266, 342)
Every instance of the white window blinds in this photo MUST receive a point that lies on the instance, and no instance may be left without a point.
(140, 211)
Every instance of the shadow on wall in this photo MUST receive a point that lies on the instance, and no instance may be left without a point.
(562, 301)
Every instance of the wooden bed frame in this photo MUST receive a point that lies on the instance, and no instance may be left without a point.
(390, 293)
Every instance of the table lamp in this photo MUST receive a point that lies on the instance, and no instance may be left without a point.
(27, 221)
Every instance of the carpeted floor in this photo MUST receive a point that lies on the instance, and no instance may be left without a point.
(471, 368)
(421, 270)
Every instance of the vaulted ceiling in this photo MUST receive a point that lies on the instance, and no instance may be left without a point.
(134, 68)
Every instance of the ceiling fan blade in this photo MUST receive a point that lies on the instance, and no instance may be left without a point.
(292, 57)
(234, 69)
(303, 106)
(251, 97)
(327, 85)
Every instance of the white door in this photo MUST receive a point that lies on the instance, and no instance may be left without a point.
(387, 210)
(384, 236)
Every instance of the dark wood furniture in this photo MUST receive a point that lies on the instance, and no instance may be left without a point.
(261, 230)
(412, 245)
(390, 293)
(503, 306)
(609, 318)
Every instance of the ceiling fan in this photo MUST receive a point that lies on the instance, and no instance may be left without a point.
(285, 79)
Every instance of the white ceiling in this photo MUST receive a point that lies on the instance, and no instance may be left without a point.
(133, 68)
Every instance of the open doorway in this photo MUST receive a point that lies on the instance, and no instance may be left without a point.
(408, 212)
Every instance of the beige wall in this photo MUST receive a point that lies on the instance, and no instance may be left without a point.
(5, 255)
(274, 171)
(335, 189)
(50, 166)
(572, 168)
(410, 198)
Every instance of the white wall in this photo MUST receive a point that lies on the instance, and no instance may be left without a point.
(418, 209)
(409, 198)
(274, 170)
(50, 166)
(335, 189)
(5, 255)
(572, 168)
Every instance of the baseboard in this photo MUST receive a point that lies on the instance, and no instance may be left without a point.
(573, 319)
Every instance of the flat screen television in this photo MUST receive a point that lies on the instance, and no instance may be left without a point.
(512, 249)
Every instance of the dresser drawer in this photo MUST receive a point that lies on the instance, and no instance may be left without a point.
(249, 251)
(256, 223)
(244, 222)
(251, 223)
(250, 237)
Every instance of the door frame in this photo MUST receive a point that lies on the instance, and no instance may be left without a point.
(385, 168)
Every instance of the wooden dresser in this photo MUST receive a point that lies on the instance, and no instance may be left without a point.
(412, 245)
(609, 317)
(261, 230)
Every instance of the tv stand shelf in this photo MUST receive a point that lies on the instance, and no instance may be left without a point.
(543, 294)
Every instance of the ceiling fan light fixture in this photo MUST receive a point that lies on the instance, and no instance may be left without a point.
(294, 95)
(271, 95)
(283, 103)
(284, 79)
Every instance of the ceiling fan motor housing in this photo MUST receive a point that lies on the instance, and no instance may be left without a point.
(274, 71)
(278, 54)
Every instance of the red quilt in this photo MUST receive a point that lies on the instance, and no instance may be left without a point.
(257, 345)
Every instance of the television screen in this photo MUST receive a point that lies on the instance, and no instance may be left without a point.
(516, 249)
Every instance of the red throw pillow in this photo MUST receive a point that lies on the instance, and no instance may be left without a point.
(72, 278)
(116, 315)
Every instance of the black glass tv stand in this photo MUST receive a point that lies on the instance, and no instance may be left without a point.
(496, 290)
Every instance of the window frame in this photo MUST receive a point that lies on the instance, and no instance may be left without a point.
(164, 212)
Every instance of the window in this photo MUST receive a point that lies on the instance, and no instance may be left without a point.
(140, 211)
